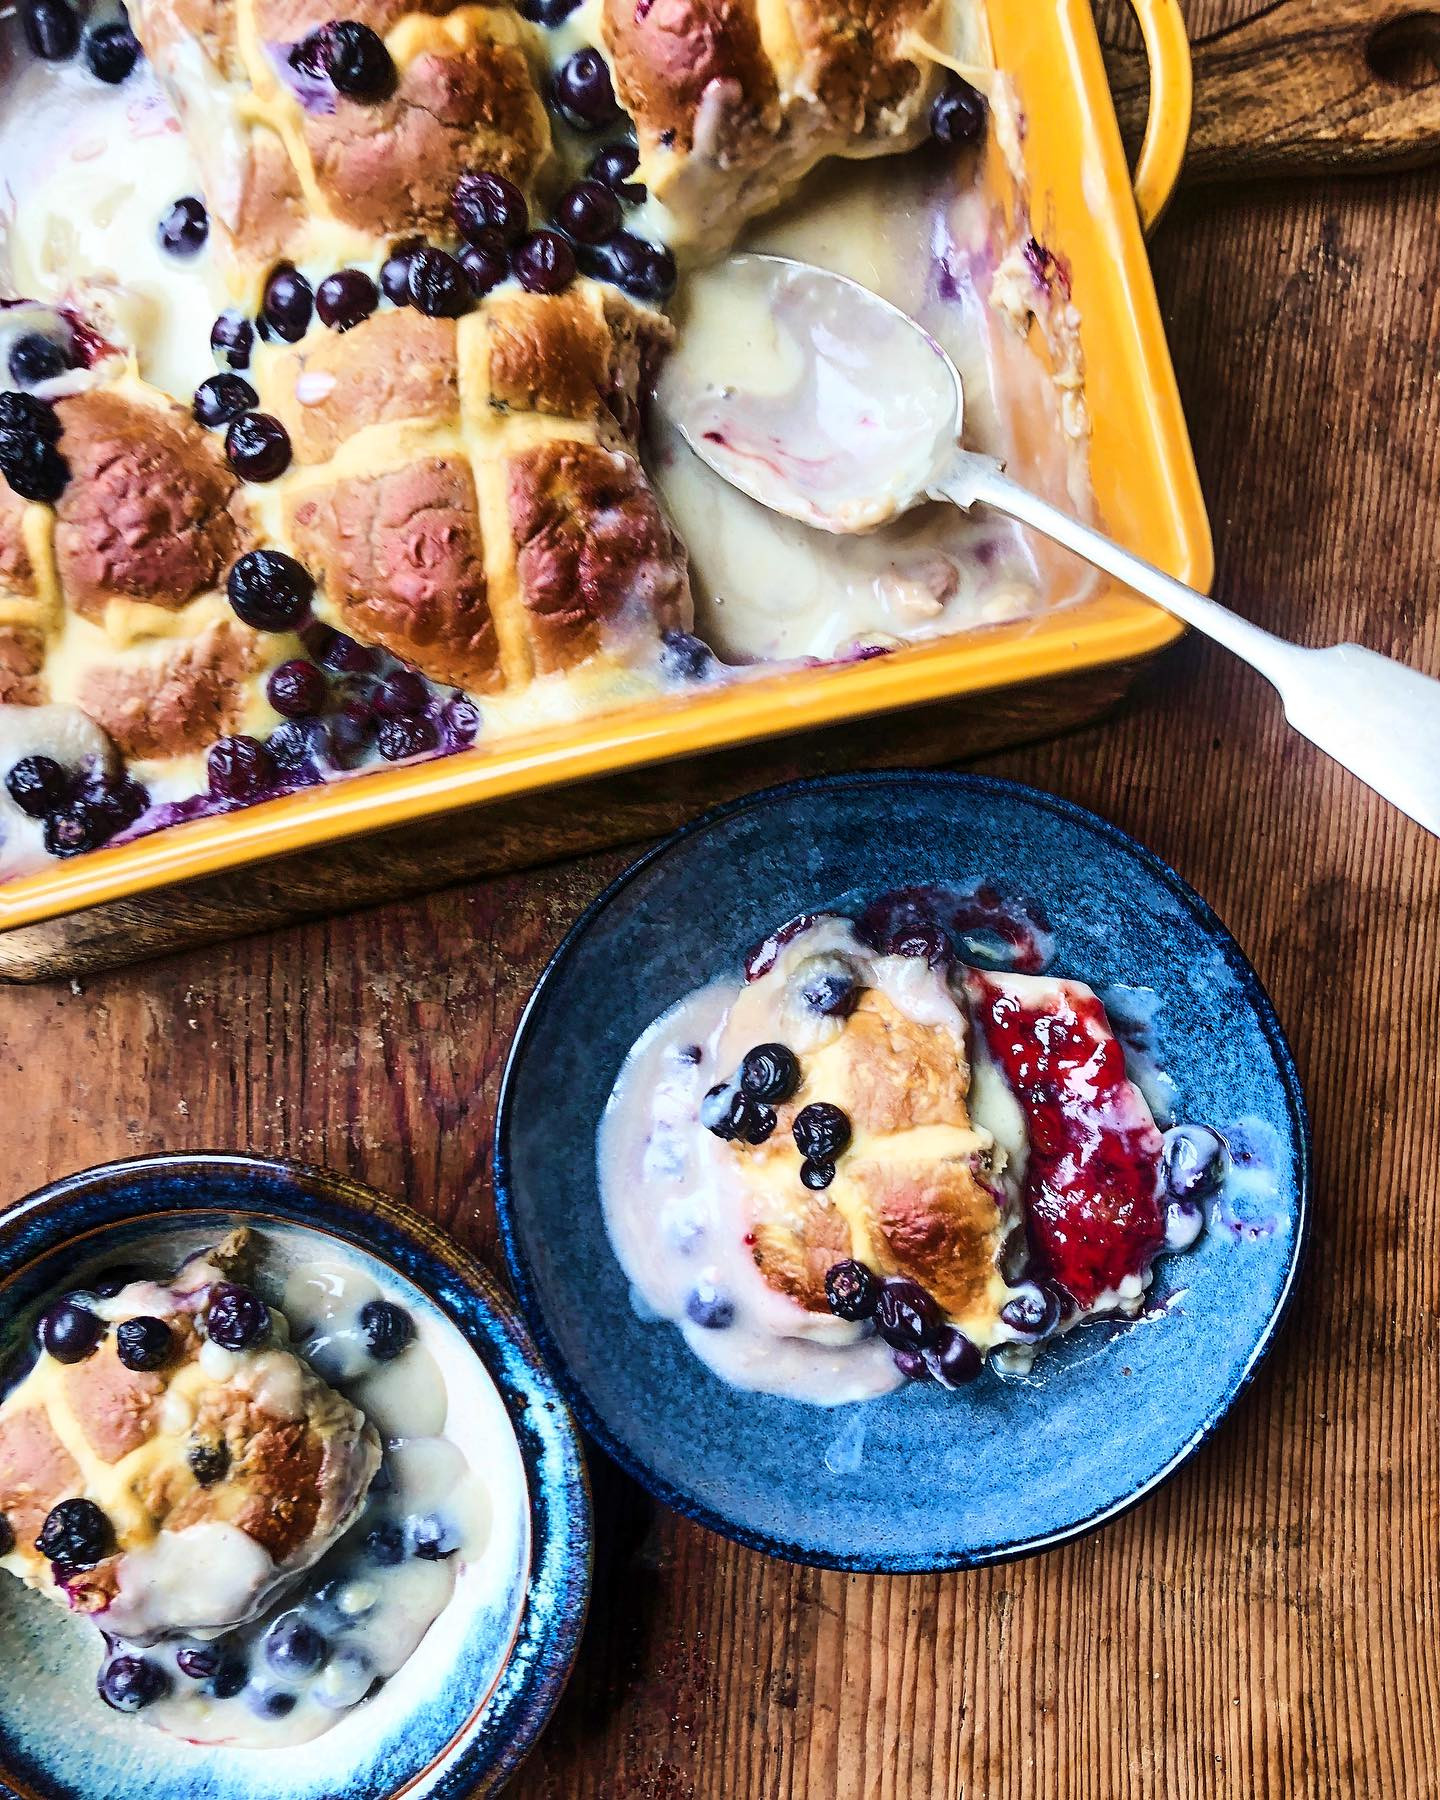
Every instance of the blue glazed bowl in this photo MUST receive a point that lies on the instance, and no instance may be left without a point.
(492, 1673)
(922, 1479)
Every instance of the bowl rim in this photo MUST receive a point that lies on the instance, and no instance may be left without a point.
(561, 1512)
(526, 1287)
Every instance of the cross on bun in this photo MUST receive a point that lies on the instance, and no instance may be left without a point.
(468, 490)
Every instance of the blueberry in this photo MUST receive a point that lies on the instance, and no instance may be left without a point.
(184, 229)
(38, 785)
(645, 271)
(301, 750)
(1195, 1161)
(821, 1131)
(484, 202)
(910, 1363)
(544, 263)
(258, 447)
(356, 60)
(952, 1359)
(437, 284)
(273, 1703)
(229, 1679)
(269, 590)
(51, 29)
(709, 1308)
(221, 399)
(589, 212)
(432, 1540)
(239, 768)
(7, 1536)
(395, 272)
(1032, 1311)
(730, 1114)
(583, 92)
(399, 738)
(346, 299)
(902, 925)
(770, 1072)
(130, 1682)
(614, 165)
(906, 1316)
(75, 1535)
(957, 113)
(547, 12)
(35, 358)
(111, 51)
(461, 719)
(232, 338)
(198, 1661)
(34, 469)
(385, 1544)
(829, 985)
(236, 1317)
(402, 695)
(29, 415)
(685, 658)
(287, 304)
(850, 1290)
(485, 266)
(294, 1647)
(337, 651)
(209, 1463)
(816, 1174)
(297, 689)
(69, 1332)
(388, 1329)
(97, 808)
(144, 1344)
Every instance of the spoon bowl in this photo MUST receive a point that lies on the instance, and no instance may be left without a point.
(811, 394)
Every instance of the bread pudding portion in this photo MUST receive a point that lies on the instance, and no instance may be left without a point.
(873, 1162)
(169, 1464)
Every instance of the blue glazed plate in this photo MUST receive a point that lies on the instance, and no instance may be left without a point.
(460, 1716)
(921, 1479)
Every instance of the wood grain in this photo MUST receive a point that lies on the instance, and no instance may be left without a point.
(1292, 87)
(1266, 1628)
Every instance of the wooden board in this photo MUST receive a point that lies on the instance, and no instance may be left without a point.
(1289, 87)
(1266, 1628)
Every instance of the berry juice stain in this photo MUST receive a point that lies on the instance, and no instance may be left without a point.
(1092, 1180)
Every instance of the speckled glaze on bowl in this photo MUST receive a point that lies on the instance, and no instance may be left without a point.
(499, 1679)
(921, 1479)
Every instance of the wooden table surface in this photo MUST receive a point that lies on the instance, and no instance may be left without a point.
(1268, 1625)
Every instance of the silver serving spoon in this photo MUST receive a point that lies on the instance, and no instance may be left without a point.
(823, 401)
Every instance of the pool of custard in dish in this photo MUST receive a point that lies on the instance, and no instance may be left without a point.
(91, 173)
(204, 1636)
(895, 1148)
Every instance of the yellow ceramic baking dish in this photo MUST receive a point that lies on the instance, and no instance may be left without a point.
(1143, 473)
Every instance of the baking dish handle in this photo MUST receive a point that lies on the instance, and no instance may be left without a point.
(1167, 129)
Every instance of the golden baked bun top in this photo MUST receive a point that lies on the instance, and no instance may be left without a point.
(734, 101)
(204, 1481)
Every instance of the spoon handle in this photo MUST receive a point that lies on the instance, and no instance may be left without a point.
(1378, 718)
